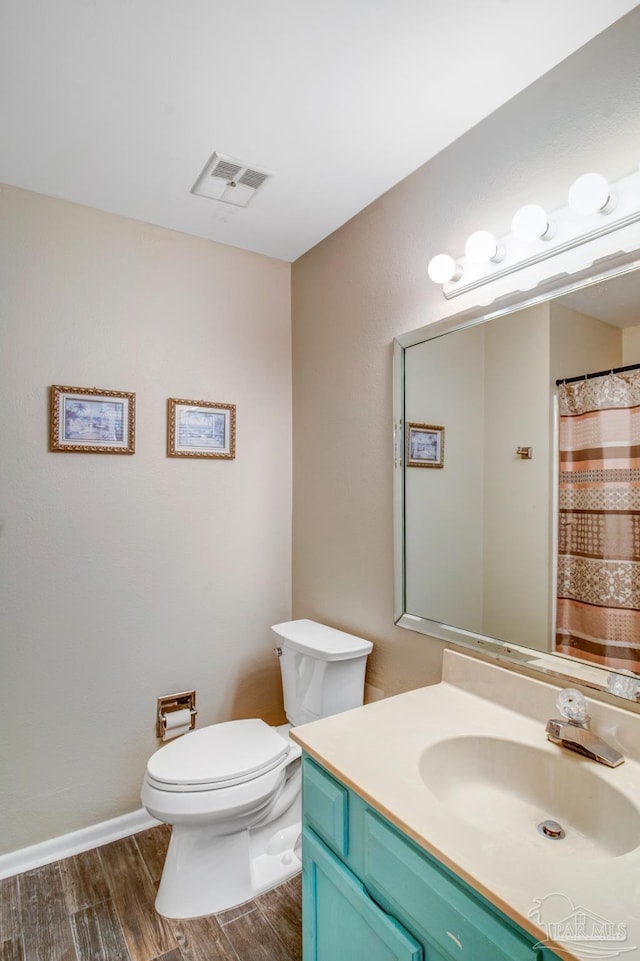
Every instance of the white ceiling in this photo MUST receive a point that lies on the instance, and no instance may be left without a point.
(615, 301)
(118, 104)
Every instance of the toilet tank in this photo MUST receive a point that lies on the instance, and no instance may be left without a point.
(322, 669)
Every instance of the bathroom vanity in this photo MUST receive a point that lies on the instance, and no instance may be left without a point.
(420, 819)
(371, 892)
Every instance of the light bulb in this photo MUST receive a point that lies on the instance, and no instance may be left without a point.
(590, 194)
(483, 248)
(443, 268)
(531, 223)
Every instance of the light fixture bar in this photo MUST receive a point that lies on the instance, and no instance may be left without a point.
(571, 232)
(542, 256)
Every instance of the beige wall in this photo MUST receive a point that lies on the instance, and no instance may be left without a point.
(517, 547)
(124, 578)
(581, 344)
(631, 345)
(444, 385)
(368, 283)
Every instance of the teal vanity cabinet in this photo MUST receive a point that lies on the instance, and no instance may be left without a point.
(372, 894)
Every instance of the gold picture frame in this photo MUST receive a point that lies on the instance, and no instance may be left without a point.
(424, 445)
(90, 420)
(201, 428)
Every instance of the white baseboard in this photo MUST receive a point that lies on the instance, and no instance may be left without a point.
(68, 844)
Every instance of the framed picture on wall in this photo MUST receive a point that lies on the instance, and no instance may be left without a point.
(201, 428)
(89, 420)
(425, 445)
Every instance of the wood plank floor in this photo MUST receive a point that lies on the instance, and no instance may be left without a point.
(98, 906)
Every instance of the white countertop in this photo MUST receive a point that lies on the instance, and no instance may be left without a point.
(376, 751)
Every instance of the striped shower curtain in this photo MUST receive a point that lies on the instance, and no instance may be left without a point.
(598, 608)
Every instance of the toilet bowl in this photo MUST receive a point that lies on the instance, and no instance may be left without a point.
(214, 785)
(231, 791)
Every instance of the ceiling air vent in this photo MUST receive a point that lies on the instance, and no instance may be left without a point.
(230, 181)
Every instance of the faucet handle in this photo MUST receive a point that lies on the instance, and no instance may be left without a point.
(572, 704)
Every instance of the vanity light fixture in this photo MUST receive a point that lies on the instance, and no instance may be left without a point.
(443, 268)
(595, 209)
(531, 223)
(590, 194)
(483, 248)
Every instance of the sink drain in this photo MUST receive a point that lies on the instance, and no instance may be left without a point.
(551, 829)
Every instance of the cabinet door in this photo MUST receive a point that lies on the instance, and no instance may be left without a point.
(340, 921)
(406, 882)
(326, 807)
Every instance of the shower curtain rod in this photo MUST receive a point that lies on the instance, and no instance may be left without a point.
(598, 373)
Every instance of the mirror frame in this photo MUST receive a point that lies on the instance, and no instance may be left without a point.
(567, 669)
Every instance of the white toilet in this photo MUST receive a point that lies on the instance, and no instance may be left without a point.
(232, 790)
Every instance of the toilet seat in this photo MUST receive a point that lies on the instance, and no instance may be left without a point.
(219, 756)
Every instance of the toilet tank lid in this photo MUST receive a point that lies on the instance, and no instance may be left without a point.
(326, 643)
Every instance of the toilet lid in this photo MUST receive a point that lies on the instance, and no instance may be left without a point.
(219, 755)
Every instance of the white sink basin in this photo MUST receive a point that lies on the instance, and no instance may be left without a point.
(506, 789)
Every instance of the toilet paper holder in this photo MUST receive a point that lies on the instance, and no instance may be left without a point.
(175, 702)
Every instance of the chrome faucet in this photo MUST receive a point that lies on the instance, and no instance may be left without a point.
(573, 731)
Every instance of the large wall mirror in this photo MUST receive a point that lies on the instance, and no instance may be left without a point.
(517, 518)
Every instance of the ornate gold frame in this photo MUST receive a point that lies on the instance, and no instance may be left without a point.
(433, 429)
(174, 450)
(56, 443)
